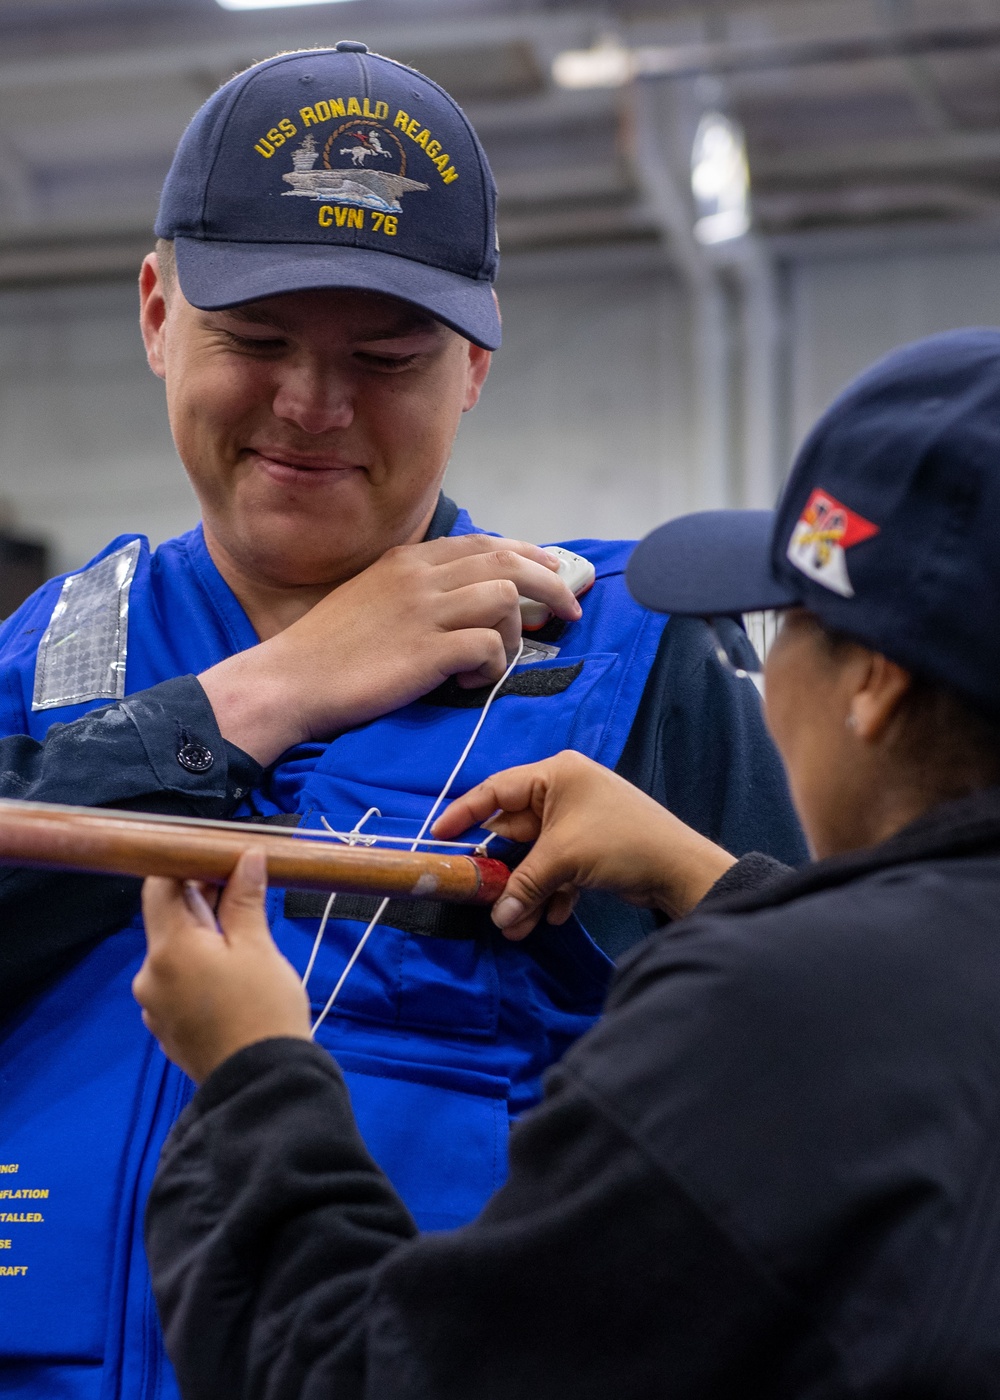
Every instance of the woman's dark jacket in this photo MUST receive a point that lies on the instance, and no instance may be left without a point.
(773, 1169)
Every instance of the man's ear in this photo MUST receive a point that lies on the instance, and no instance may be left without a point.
(876, 702)
(479, 368)
(152, 314)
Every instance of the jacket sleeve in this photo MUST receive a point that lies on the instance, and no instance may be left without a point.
(285, 1266)
(124, 755)
(700, 748)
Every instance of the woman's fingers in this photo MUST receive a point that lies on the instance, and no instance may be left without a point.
(547, 870)
(562, 904)
(210, 987)
(522, 827)
(548, 803)
(170, 917)
(591, 830)
(241, 905)
(198, 906)
(516, 919)
(515, 790)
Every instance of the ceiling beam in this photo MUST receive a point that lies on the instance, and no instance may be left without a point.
(943, 152)
(700, 60)
(231, 54)
(72, 260)
(565, 182)
(874, 203)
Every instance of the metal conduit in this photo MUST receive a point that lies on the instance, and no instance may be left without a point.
(696, 60)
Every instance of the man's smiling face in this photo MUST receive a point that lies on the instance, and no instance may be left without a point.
(315, 427)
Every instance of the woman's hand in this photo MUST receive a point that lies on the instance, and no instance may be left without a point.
(592, 831)
(211, 985)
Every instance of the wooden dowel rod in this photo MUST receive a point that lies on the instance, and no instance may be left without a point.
(119, 843)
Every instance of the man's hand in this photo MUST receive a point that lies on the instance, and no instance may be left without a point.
(592, 831)
(208, 988)
(421, 613)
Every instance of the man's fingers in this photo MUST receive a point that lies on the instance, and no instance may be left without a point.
(474, 656)
(528, 577)
(449, 547)
(241, 906)
(492, 604)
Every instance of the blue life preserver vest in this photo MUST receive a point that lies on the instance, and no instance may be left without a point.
(441, 1040)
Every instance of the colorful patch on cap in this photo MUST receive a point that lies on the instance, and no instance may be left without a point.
(356, 171)
(826, 529)
(371, 177)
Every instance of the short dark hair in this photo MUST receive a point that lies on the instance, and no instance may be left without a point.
(167, 264)
(949, 744)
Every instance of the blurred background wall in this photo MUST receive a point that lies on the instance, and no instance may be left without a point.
(654, 361)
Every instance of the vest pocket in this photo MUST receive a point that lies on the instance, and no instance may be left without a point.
(402, 979)
(439, 1133)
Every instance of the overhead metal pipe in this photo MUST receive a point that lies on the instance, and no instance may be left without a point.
(696, 60)
(610, 64)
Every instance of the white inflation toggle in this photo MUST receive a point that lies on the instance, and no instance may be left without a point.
(577, 574)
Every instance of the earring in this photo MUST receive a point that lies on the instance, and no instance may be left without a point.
(851, 722)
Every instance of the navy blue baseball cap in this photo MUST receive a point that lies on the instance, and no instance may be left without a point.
(335, 168)
(888, 529)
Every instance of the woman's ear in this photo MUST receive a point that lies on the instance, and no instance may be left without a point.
(878, 697)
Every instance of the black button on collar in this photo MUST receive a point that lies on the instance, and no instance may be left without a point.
(351, 46)
(195, 757)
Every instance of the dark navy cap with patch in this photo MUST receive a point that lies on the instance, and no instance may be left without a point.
(335, 168)
(888, 529)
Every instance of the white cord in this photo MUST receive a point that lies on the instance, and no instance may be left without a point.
(427, 821)
(350, 838)
(468, 748)
(356, 837)
(318, 939)
(351, 961)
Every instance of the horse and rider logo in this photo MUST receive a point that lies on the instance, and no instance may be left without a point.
(375, 178)
(367, 145)
(824, 530)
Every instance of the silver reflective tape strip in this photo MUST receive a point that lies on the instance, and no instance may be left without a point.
(82, 655)
(536, 651)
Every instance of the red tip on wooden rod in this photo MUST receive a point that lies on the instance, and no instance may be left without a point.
(493, 876)
(100, 841)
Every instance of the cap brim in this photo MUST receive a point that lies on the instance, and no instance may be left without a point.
(716, 561)
(216, 275)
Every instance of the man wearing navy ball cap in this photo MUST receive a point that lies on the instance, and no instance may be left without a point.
(377, 161)
(318, 651)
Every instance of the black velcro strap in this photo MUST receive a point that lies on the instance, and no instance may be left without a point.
(550, 632)
(536, 682)
(426, 917)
